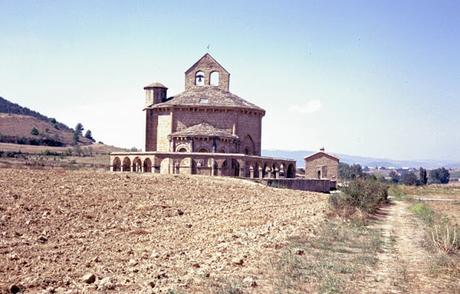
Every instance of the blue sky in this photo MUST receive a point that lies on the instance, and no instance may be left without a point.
(371, 78)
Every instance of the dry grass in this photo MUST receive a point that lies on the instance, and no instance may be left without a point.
(335, 260)
(446, 238)
(451, 191)
(441, 238)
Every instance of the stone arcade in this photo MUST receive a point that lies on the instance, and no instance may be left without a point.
(204, 130)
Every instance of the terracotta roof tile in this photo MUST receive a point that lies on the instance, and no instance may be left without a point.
(208, 96)
(204, 129)
(155, 85)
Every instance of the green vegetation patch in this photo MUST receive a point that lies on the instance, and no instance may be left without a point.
(423, 211)
(396, 192)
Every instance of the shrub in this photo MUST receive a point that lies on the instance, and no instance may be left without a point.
(34, 132)
(68, 152)
(366, 195)
(89, 135)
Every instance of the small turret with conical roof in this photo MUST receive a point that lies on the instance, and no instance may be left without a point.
(155, 93)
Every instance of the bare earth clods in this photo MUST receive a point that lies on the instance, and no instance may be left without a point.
(143, 233)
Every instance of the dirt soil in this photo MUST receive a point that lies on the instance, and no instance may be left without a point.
(143, 233)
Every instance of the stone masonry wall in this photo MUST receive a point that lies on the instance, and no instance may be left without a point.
(245, 124)
(250, 124)
(207, 65)
(150, 131)
(163, 130)
(314, 165)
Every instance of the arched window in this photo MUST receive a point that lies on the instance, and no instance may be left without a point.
(203, 150)
(182, 150)
(214, 78)
(199, 78)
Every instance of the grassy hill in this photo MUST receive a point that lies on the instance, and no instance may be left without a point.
(17, 124)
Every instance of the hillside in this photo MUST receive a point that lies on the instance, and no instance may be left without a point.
(17, 123)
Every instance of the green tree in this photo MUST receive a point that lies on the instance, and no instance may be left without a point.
(350, 172)
(395, 177)
(79, 129)
(89, 136)
(423, 176)
(77, 133)
(409, 178)
(439, 176)
(35, 132)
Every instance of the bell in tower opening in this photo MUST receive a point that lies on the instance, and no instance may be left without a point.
(199, 78)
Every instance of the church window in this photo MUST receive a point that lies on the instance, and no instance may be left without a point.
(214, 78)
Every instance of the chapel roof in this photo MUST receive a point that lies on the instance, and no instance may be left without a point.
(205, 130)
(321, 153)
(207, 96)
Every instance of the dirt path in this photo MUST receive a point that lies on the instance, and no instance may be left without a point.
(403, 265)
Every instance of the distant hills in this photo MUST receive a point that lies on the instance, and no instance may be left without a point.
(365, 161)
(21, 125)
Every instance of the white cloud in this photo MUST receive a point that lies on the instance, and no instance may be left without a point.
(310, 106)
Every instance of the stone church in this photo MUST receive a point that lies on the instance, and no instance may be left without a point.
(206, 130)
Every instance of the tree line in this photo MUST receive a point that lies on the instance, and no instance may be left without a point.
(422, 177)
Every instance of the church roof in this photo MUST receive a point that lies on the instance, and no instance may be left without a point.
(207, 96)
(155, 85)
(205, 130)
(203, 58)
